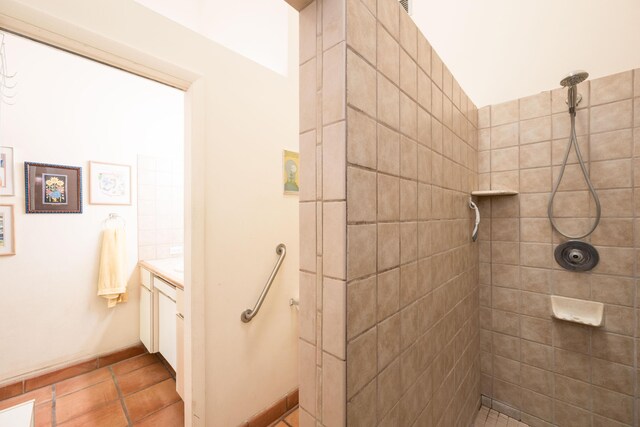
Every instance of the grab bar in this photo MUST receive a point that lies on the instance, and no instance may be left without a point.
(249, 314)
(474, 233)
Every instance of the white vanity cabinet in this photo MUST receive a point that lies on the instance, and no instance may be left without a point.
(162, 321)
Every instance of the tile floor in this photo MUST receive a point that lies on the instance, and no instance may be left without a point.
(289, 420)
(492, 418)
(139, 391)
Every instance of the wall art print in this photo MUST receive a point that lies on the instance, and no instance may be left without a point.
(53, 188)
(291, 172)
(109, 184)
(6, 172)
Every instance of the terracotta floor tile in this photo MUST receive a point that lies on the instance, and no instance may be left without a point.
(43, 415)
(171, 416)
(110, 415)
(121, 355)
(42, 395)
(142, 378)
(133, 364)
(281, 424)
(293, 419)
(85, 400)
(152, 399)
(10, 390)
(82, 381)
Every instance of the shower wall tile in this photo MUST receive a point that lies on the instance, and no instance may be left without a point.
(545, 371)
(323, 210)
(412, 293)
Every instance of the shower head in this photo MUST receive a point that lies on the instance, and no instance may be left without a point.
(570, 82)
(573, 78)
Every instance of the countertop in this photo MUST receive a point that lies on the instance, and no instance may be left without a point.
(170, 269)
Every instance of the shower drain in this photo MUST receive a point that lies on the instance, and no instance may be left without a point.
(575, 255)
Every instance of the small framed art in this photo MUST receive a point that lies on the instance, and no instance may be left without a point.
(53, 188)
(291, 172)
(6, 172)
(7, 231)
(109, 184)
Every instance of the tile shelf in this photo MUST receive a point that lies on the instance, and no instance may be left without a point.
(487, 193)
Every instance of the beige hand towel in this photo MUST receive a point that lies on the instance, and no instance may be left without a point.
(112, 280)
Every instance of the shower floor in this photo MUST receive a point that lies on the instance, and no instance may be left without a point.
(492, 418)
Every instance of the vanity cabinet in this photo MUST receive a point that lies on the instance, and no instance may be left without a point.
(162, 321)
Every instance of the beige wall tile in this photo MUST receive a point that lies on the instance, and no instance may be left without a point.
(535, 105)
(436, 69)
(565, 414)
(436, 101)
(408, 75)
(535, 130)
(307, 370)
(504, 136)
(361, 408)
(388, 55)
(361, 306)
(307, 322)
(334, 162)
(535, 230)
(361, 140)
(388, 246)
(611, 174)
(389, 16)
(307, 79)
(333, 391)
(388, 103)
(611, 145)
(424, 54)
(613, 376)
(334, 314)
(361, 361)
(612, 289)
(613, 405)
(361, 250)
(505, 181)
(388, 293)
(333, 22)
(389, 390)
(617, 115)
(388, 346)
(535, 155)
(362, 24)
(362, 198)
(361, 78)
(536, 255)
(408, 116)
(537, 330)
(334, 227)
(408, 158)
(504, 159)
(307, 39)
(408, 200)
(388, 150)
(308, 166)
(333, 83)
(308, 236)
(535, 180)
(408, 34)
(611, 88)
(506, 112)
(388, 198)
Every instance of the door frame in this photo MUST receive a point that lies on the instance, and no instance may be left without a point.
(43, 28)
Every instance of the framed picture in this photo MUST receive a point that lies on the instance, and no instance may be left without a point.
(109, 184)
(291, 172)
(7, 231)
(6, 172)
(53, 188)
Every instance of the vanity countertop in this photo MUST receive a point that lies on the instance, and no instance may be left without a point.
(170, 269)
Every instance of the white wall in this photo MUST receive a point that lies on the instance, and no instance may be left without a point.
(503, 49)
(251, 115)
(69, 110)
(256, 29)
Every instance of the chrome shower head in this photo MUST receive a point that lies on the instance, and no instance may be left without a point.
(573, 78)
(571, 81)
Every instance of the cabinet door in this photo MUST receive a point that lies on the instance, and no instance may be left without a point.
(180, 355)
(146, 318)
(167, 328)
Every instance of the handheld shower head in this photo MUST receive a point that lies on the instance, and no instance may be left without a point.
(571, 81)
(573, 78)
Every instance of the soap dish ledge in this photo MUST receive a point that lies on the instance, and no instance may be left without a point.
(590, 313)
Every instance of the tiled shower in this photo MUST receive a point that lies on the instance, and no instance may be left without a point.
(405, 321)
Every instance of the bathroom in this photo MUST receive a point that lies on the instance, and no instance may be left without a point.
(401, 120)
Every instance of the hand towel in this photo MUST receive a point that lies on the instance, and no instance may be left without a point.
(112, 280)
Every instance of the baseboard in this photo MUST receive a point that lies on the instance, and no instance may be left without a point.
(43, 378)
(274, 412)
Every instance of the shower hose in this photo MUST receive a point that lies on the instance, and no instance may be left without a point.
(573, 140)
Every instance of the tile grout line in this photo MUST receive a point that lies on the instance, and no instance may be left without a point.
(53, 406)
(121, 397)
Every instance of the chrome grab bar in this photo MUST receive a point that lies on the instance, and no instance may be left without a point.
(249, 314)
(474, 233)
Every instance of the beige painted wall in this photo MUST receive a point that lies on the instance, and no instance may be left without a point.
(251, 115)
(50, 311)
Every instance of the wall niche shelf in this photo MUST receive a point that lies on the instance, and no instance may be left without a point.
(488, 193)
(578, 311)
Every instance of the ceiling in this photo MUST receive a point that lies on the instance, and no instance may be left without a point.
(500, 50)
